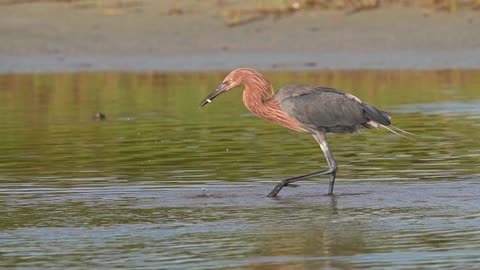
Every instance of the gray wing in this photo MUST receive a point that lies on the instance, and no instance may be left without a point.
(326, 108)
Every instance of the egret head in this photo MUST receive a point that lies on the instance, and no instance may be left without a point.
(235, 78)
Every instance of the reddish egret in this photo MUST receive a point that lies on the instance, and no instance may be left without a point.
(306, 108)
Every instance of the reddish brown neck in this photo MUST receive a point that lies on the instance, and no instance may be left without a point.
(257, 97)
(257, 91)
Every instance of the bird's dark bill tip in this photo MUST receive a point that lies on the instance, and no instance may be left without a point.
(205, 102)
(208, 99)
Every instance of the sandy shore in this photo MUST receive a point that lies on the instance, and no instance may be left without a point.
(50, 37)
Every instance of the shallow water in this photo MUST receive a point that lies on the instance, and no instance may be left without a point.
(162, 184)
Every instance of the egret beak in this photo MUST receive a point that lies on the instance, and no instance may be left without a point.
(220, 89)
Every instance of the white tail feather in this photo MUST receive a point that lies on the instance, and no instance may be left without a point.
(401, 130)
(399, 134)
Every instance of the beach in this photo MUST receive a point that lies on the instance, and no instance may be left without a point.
(191, 35)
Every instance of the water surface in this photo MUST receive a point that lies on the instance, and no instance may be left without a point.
(162, 184)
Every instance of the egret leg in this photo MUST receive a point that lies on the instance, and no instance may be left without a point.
(331, 171)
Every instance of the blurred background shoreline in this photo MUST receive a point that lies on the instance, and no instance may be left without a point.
(189, 35)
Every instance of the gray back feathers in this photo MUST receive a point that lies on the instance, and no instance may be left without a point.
(327, 109)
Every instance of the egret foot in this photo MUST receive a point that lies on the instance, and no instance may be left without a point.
(277, 189)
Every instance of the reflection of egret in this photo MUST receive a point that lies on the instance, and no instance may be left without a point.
(306, 108)
(333, 205)
(310, 235)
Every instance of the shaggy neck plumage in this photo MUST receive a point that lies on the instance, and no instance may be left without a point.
(258, 90)
(258, 98)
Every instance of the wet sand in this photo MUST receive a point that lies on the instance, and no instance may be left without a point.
(52, 37)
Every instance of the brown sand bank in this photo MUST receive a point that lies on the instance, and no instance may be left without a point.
(192, 35)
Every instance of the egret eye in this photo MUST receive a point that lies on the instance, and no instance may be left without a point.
(230, 80)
